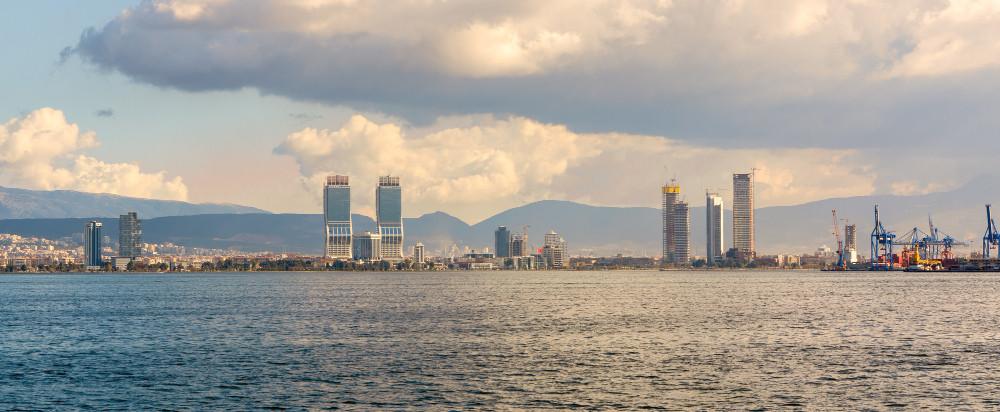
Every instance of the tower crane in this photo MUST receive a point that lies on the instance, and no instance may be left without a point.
(991, 238)
(840, 245)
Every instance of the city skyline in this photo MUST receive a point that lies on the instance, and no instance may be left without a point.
(542, 122)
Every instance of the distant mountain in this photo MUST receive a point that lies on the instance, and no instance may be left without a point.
(587, 229)
(26, 204)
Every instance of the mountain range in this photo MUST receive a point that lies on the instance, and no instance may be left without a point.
(28, 204)
(587, 229)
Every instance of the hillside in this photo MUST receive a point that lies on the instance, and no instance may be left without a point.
(28, 204)
(587, 229)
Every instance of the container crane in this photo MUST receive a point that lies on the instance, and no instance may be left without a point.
(881, 245)
(991, 238)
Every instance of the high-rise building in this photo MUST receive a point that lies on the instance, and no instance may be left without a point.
(129, 235)
(671, 195)
(337, 214)
(368, 246)
(554, 250)
(389, 216)
(851, 243)
(518, 245)
(418, 253)
(92, 244)
(743, 215)
(714, 251)
(502, 242)
(682, 232)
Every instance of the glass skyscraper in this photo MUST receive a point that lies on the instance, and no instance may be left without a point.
(502, 242)
(389, 217)
(743, 215)
(92, 244)
(337, 215)
(129, 235)
(714, 251)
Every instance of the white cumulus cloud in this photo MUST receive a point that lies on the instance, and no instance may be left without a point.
(43, 151)
(491, 164)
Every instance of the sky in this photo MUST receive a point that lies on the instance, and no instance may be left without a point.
(480, 106)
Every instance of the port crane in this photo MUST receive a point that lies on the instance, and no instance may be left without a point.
(938, 247)
(991, 238)
(881, 245)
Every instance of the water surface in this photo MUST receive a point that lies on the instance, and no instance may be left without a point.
(500, 340)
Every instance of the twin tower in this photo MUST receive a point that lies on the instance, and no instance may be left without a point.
(341, 243)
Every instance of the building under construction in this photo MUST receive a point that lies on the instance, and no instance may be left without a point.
(676, 226)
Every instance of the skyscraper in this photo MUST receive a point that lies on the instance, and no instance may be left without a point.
(671, 194)
(851, 243)
(502, 242)
(743, 215)
(337, 215)
(129, 235)
(713, 222)
(389, 217)
(682, 232)
(92, 244)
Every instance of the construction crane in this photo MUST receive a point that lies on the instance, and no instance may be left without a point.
(524, 230)
(881, 245)
(991, 238)
(840, 245)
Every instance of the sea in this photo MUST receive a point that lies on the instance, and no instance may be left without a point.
(500, 340)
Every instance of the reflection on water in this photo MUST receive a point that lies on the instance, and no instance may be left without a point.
(500, 340)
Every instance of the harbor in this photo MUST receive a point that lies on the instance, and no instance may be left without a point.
(916, 250)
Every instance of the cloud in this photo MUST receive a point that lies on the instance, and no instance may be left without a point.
(810, 73)
(305, 117)
(109, 112)
(43, 151)
(489, 164)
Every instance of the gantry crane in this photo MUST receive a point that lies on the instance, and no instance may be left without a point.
(991, 238)
(928, 245)
(881, 245)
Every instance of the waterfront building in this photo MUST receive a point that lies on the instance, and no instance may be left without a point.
(502, 242)
(681, 215)
(743, 229)
(337, 215)
(92, 244)
(554, 250)
(418, 253)
(368, 246)
(671, 194)
(518, 245)
(553, 256)
(129, 236)
(389, 217)
(714, 251)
